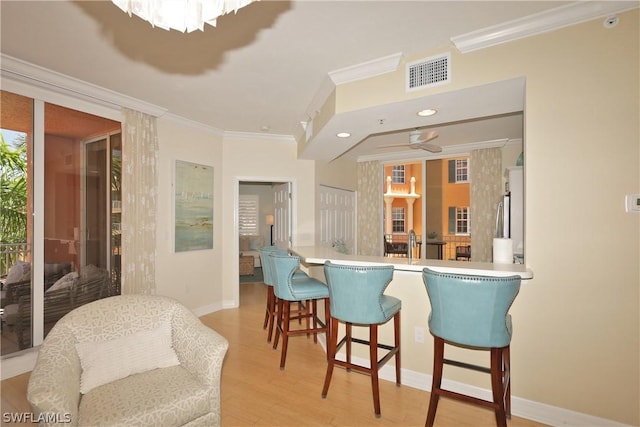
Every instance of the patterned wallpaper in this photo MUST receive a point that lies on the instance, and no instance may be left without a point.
(486, 189)
(369, 221)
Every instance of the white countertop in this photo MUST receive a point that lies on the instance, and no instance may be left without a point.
(319, 255)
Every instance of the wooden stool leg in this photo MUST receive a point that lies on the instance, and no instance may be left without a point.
(328, 321)
(332, 343)
(347, 327)
(314, 313)
(278, 323)
(497, 386)
(438, 361)
(506, 363)
(268, 309)
(373, 357)
(286, 318)
(272, 314)
(396, 334)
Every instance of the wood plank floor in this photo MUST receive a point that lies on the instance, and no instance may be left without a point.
(255, 392)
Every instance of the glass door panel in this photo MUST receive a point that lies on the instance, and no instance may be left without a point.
(16, 224)
(96, 178)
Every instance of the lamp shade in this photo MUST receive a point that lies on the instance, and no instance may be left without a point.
(269, 220)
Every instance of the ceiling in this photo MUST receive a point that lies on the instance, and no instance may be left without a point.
(259, 70)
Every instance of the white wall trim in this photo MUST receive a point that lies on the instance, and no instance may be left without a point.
(450, 151)
(365, 70)
(183, 121)
(523, 408)
(21, 71)
(539, 23)
(253, 136)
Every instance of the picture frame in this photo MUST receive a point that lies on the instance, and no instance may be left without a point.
(192, 206)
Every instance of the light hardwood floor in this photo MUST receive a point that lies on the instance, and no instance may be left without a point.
(255, 392)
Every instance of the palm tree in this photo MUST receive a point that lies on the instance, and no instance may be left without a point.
(13, 194)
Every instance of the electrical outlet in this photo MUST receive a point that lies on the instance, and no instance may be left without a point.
(419, 333)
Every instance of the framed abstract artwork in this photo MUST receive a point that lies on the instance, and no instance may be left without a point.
(193, 206)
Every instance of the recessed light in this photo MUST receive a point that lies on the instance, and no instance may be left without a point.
(427, 112)
(343, 135)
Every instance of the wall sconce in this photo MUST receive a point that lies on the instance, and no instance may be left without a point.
(269, 220)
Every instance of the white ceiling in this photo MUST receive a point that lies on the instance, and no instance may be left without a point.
(262, 67)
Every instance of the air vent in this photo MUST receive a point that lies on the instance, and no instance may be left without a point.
(428, 72)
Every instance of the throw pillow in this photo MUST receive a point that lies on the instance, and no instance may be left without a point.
(65, 281)
(19, 272)
(91, 271)
(107, 361)
(244, 243)
(255, 243)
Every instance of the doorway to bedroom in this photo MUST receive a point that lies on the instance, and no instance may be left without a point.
(264, 219)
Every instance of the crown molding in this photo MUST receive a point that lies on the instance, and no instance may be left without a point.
(539, 23)
(448, 151)
(365, 70)
(254, 136)
(24, 72)
(183, 121)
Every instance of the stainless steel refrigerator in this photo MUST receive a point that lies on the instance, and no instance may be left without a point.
(510, 213)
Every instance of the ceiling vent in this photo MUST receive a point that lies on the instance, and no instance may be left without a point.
(429, 72)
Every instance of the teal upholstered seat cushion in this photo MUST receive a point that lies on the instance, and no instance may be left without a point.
(267, 269)
(356, 293)
(471, 310)
(283, 269)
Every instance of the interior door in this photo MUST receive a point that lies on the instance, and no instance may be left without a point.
(337, 218)
(282, 213)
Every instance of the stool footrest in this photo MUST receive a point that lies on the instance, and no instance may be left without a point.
(467, 366)
(469, 399)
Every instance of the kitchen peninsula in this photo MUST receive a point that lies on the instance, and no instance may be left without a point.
(417, 344)
(314, 255)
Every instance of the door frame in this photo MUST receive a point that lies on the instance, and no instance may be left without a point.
(236, 199)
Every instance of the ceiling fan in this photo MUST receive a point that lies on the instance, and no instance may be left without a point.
(419, 140)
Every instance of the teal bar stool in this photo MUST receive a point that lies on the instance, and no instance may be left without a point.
(270, 311)
(472, 312)
(356, 295)
(271, 308)
(291, 288)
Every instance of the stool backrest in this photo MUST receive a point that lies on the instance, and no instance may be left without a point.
(471, 310)
(283, 266)
(266, 264)
(356, 292)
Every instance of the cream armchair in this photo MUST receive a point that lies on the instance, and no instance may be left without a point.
(121, 337)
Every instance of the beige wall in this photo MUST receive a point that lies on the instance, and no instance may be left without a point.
(274, 160)
(577, 337)
(191, 277)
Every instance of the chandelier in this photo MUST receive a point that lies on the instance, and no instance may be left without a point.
(181, 15)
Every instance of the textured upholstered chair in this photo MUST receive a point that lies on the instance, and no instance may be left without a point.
(472, 312)
(356, 295)
(289, 289)
(135, 360)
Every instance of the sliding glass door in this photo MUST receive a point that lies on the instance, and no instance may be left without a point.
(67, 217)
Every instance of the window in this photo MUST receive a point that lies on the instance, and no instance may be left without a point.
(459, 171)
(397, 174)
(248, 209)
(462, 170)
(397, 220)
(462, 221)
(459, 221)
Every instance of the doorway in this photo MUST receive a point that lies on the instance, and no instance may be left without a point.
(264, 217)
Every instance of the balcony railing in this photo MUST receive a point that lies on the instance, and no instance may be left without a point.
(447, 246)
(10, 253)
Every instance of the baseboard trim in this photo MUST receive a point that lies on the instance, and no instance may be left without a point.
(523, 408)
